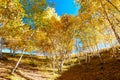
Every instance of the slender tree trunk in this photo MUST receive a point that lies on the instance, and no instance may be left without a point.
(54, 61)
(112, 25)
(86, 57)
(113, 50)
(99, 54)
(21, 55)
(69, 57)
(93, 49)
(15, 50)
(113, 5)
(0, 47)
(79, 62)
(11, 51)
(31, 59)
(105, 45)
(78, 56)
(60, 66)
(18, 62)
(118, 21)
(116, 35)
(89, 53)
(98, 51)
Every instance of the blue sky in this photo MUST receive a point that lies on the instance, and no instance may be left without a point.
(65, 7)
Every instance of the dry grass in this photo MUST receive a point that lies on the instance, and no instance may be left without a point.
(40, 68)
(109, 70)
(36, 69)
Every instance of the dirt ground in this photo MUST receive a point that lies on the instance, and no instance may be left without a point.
(108, 70)
(95, 70)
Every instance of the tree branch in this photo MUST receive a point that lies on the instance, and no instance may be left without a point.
(113, 5)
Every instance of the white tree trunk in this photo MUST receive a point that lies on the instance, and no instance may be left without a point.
(0, 47)
(18, 62)
(60, 66)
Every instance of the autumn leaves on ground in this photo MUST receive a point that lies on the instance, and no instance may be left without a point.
(40, 68)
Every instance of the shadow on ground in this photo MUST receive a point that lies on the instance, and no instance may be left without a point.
(109, 70)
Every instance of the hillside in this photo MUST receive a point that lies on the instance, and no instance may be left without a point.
(109, 70)
(39, 68)
(35, 69)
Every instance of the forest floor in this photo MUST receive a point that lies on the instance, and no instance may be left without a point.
(40, 69)
(95, 70)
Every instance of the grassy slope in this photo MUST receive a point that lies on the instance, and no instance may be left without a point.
(109, 70)
(38, 69)
(41, 69)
